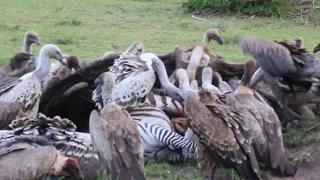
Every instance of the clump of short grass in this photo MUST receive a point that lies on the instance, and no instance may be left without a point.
(72, 22)
(302, 132)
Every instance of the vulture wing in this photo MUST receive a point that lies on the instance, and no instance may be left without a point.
(117, 139)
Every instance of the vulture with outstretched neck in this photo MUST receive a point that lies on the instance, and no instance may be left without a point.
(222, 136)
(33, 158)
(182, 56)
(156, 130)
(27, 89)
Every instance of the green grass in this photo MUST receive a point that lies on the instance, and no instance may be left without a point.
(88, 29)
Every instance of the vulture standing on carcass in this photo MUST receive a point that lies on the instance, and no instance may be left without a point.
(135, 76)
(62, 134)
(76, 89)
(222, 136)
(317, 48)
(27, 89)
(116, 136)
(156, 130)
(34, 158)
(263, 123)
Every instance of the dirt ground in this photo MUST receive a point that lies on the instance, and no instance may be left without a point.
(308, 160)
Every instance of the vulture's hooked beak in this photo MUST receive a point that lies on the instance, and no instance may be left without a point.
(316, 49)
(219, 40)
(37, 40)
(33, 58)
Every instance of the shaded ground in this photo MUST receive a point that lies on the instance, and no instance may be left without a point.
(308, 160)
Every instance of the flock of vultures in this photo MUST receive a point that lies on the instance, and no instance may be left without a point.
(72, 119)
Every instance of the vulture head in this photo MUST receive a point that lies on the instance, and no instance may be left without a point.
(72, 167)
(20, 59)
(317, 48)
(250, 68)
(32, 37)
(73, 62)
(212, 34)
(52, 51)
(298, 42)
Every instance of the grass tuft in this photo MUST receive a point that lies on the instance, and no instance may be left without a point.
(72, 22)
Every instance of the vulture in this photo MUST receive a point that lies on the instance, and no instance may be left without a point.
(207, 75)
(316, 48)
(60, 73)
(222, 136)
(16, 63)
(77, 89)
(156, 130)
(263, 123)
(117, 139)
(181, 55)
(289, 64)
(10, 111)
(61, 133)
(27, 89)
(30, 37)
(135, 76)
(33, 158)
(298, 42)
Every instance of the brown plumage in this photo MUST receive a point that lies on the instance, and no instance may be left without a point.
(61, 73)
(17, 62)
(10, 111)
(208, 58)
(62, 134)
(220, 131)
(291, 65)
(33, 158)
(117, 139)
(263, 123)
(298, 42)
